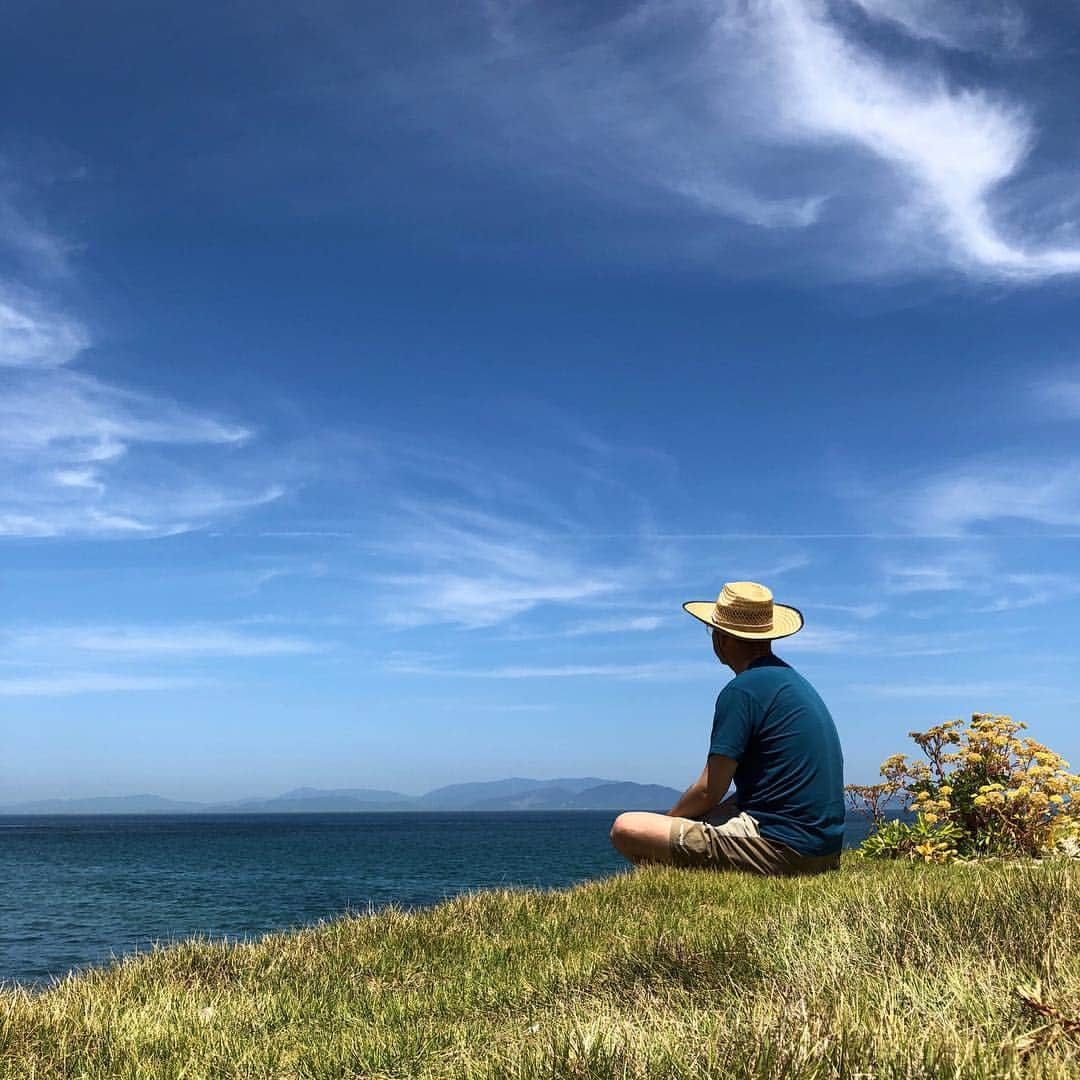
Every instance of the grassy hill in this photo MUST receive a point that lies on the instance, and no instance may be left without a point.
(882, 970)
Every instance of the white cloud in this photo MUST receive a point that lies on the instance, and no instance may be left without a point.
(868, 610)
(480, 562)
(770, 114)
(1058, 395)
(479, 569)
(972, 582)
(155, 642)
(616, 624)
(981, 693)
(83, 457)
(956, 24)
(820, 639)
(34, 247)
(1026, 590)
(476, 601)
(954, 147)
(904, 578)
(666, 671)
(72, 684)
(627, 121)
(31, 336)
(979, 493)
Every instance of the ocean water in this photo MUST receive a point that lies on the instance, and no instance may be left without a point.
(75, 891)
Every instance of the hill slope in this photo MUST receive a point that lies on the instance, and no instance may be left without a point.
(894, 970)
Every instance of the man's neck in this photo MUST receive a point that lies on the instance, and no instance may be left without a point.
(743, 662)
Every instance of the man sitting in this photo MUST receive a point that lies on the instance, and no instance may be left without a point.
(774, 736)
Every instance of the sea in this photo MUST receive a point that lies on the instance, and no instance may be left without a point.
(78, 891)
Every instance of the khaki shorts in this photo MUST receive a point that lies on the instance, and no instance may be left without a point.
(729, 840)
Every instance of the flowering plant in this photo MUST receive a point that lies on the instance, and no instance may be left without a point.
(980, 790)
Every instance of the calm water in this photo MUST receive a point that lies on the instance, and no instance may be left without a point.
(76, 890)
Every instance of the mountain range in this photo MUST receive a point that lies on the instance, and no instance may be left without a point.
(515, 793)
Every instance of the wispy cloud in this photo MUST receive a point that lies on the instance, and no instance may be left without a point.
(1058, 395)
(1026, 590)
(658, 670)
(156, 642)
(628, 121)
(479, 569)
(76, 683)
(960, 498)
(969, 25)
(973, 582)
(977, 691)
(907, 577)
(869, 610)
(782, 115)
(36, 249)
(80, 456)
(33, 336)
(634, 624)
(821, 639)
(510, 546)
(951, 149)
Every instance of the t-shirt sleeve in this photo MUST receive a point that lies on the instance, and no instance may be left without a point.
(733, 723)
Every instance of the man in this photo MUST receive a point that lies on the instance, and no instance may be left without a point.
(773, 736)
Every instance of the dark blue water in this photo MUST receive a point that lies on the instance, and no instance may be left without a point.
(75, 891)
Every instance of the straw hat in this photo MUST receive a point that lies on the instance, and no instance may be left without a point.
(746, 609)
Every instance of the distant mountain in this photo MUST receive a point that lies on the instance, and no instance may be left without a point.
(609, 795)
(106, 804)
(626, 796)
(308, 800)
(471, 796)
(545, 798)
(363, 794)
(515, 793)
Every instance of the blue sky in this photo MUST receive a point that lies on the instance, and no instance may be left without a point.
(377, 384)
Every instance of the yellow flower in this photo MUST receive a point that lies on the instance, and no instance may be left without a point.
(1057, 799)
(945, 789)
(930, 818)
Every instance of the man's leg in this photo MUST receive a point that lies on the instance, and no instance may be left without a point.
(643, 837)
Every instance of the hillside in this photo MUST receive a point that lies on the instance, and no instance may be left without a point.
(882, 970)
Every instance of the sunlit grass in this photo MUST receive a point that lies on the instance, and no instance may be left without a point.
(883, 970)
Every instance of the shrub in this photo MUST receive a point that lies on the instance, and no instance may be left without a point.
(978, 791)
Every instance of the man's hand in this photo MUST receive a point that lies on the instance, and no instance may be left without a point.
(708, 790)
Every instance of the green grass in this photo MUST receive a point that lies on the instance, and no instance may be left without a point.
(882, 970)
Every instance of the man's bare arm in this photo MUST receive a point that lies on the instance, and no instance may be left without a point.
(708, 789)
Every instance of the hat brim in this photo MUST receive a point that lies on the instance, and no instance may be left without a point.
(786, 621)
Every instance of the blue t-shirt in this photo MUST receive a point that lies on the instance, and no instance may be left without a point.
(790, 774)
